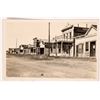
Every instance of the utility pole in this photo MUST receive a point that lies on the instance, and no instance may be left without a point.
(16, 42)
(56, 46)
(49, 38)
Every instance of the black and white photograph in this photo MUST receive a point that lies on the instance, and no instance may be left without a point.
(50, 48)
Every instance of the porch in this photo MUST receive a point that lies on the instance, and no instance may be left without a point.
(62, 48)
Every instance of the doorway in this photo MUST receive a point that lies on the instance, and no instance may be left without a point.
(76, 50)
(93, 48)
(41, 50)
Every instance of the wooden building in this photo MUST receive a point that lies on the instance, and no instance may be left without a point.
(64, 45)
(75, 41)
(85, 45)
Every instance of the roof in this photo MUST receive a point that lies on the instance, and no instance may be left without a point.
(77, 30)
(16, 48)
(11, 48)
(92, 26)
(67, 28)
(24, 46)
(95, 26)
(80, 31)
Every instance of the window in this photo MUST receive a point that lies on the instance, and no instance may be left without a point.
(38, 43)
(59, 50)
(70, 35)
(66, 35)
(51, 50)
(32, 50)
(54, 45)
(80, 48)
(21, 50)
(87, 46)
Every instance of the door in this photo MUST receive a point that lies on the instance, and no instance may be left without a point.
(92, 48)
(41, 50)
(76, 50)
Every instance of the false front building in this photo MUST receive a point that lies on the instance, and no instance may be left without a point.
(85, 45)
(64, 45)
(40, 46)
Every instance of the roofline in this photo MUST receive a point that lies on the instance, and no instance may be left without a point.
(71, 27)
(86, 32)
(67, 28)
(94, 27)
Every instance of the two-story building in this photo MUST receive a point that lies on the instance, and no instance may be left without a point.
(40, 46)
(75, 41)
(23, 49)
(64, 45)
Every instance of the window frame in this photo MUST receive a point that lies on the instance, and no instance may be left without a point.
(87, 46)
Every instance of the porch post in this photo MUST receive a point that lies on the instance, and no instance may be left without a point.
(56, 48)
(89, 49)
(52, 48)
(61, 47)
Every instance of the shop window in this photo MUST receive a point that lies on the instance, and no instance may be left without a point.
(80, 48)
(34, 50)
(59, 50)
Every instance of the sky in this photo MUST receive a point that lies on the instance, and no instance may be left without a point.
(24, 30)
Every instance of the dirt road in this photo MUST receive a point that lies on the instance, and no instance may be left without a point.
(54, 68)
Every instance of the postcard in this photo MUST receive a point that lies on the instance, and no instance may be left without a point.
(50, 49)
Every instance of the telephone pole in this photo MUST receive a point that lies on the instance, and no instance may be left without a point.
(49, 39)
(16, 42)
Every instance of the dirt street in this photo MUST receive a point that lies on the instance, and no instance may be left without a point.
(53, 68)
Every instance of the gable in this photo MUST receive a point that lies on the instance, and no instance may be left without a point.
(41, 44)
(92, 32)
